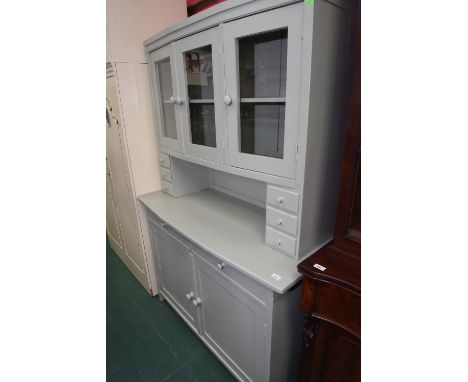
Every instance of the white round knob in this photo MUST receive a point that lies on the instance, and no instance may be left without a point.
(163, 224)
(278, 241)
(280, 200)
(179, 101)
(279, 222)
(227, 100)
(189, 295)
(171, 99)
(221, 265)
(196, 301)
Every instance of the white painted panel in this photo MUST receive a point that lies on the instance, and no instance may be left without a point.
(112, 213)
(250, 190)
(280, 241)
(167, 188)
(281, 221)
(120, 173)
(166, 174)
(134, 88)
(285, 199)
(164, 160)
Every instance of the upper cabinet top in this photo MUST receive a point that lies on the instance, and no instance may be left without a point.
(223, 12)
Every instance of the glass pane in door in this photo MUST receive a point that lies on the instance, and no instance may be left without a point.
(163, 70)
(262, 129)
(262, 82)
(199, 80)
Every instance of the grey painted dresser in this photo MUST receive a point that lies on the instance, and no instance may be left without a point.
(248, 102)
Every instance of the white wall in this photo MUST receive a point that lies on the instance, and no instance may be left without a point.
(130, 22)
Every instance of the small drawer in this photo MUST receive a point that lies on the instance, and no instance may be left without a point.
(166, 174)
(281, 221)
(167, 188)
(164, 160)
(280, 241)
(287, 200)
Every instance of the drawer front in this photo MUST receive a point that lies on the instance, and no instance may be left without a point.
(164, 160)
(166, 174)
(281, 221)
(281, 241)
(280, 198)
(245, 282)
(167, 188)
(159, 224)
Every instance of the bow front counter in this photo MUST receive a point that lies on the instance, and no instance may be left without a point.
(248, 103)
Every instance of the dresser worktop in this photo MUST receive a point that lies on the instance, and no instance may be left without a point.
(228, 228)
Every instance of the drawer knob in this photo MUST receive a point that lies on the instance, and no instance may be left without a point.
(280, 200)
(278, 241)
(227, 100)
(190, 295)
(221, 265)
(196, 301)
(179, 101)
(171, 99)
(279, 222)
(163, 224)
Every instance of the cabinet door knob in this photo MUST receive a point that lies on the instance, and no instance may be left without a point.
(196, 301)
(221, 265)
(171, 99)
(278, 241)
(190, 295)
(280, 200)
(179, 101)
(279, 222)
(163, 224)
(227, 100)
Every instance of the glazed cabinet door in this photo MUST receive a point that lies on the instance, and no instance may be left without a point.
(262, 55)
(200, 85)
(176, 273)
(232, 322)
(165, 97)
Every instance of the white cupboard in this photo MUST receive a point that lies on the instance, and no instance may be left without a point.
(128, 125)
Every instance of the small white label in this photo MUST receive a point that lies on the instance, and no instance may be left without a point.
(319, 267)
(276, 276)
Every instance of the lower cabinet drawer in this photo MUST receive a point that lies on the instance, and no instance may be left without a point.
(167, 188)
(251, 286)
(280, 241)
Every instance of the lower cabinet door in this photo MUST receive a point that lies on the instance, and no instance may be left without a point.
(176, 274)
(330, 354)
(232, 322)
